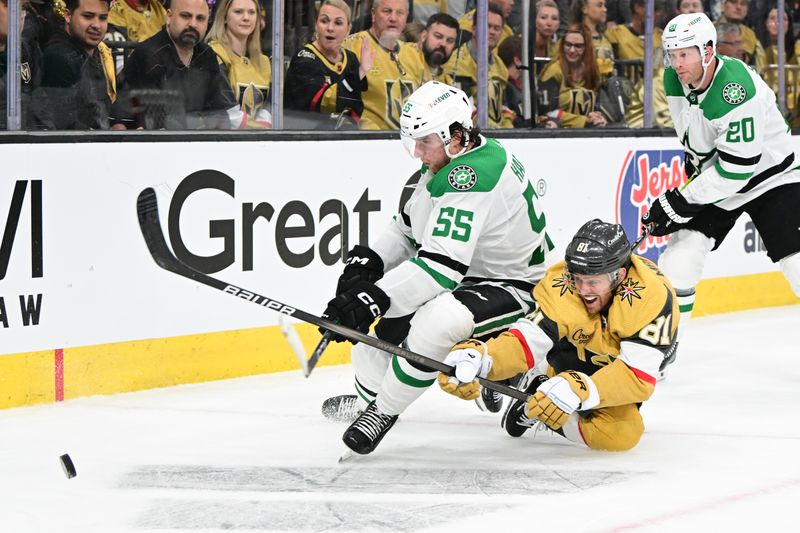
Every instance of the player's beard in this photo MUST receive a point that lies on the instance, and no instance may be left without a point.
(436, 57)
(189, 37)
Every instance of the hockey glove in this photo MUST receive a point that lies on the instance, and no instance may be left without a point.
(668, 212)
(469, 360)
(357, 308)
(362, 264)
(562, 395)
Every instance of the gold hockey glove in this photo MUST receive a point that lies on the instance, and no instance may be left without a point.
(560, 396)
(469, 361)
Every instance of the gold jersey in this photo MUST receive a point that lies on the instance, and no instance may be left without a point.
(250, 84)
(394, 75)
(622, 348)
(465, 23)
(140, 22)
(604, 53)
(575, 102)
(467, 80)
(628, 44)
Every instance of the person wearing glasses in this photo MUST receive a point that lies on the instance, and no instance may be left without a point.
(568, 85)
(735, 11)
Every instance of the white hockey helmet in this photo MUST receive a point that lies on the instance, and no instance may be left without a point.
(433, 108)
(690, 29)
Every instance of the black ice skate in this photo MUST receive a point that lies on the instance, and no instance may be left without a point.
(342, 408)
(492, 400)
(364, 435)
(514, 419)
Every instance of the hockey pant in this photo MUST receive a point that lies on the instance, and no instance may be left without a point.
(614, 429)
(481, 310)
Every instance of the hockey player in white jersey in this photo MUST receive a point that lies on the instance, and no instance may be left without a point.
(739, 158)
(459, 261)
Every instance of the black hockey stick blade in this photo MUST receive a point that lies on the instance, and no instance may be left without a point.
(317, 353)
(643, 236)
(150, 224)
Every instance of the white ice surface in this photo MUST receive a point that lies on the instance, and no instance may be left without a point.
(720, 453)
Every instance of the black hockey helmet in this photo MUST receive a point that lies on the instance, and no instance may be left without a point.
(597, 248)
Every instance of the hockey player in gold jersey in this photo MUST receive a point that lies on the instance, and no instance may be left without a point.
(604, 325)
(397, 69)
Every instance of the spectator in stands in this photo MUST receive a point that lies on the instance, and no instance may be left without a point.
(661, 117)
(770, 38)
(324, 77)
(235, 36)
(628, 39)
(735, 11)
(436, 44)
(690, 6)
(135, 20)
(592, 14)
(396, 69)
(571, 81)
(547, 23)
(173, 81)
(467, 22)
(467, 71)
(30, 71)
(425, 9)
(729, 40)
(510, 53)
(770, 72)
(79, 76)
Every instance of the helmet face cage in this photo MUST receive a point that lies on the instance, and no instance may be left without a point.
(433, 108)
(690, 29)
(598, 248)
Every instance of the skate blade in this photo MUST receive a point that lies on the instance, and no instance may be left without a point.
(347, 455)
(480, 404)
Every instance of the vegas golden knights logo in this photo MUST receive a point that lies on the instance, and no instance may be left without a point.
(251, 99)
(496, 96)
(581, 101)
(397, 91)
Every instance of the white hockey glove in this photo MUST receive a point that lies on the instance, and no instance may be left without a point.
(560, 396)
(469, 361)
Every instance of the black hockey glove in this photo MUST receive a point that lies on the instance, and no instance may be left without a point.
(357, 308)
(669, 212)
(362, 264)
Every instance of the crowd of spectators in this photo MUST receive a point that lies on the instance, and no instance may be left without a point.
(203, 64)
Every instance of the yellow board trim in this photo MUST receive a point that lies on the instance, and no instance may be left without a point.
(33, 378)
(739, 293)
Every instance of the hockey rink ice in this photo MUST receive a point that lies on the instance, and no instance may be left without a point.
(721, 452)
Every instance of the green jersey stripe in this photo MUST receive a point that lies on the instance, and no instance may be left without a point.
(731, 175)
(409, 380)
(441, 279)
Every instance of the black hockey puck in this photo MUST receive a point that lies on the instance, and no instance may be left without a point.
(68, 466)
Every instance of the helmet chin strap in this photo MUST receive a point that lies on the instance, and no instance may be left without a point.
(705, 65)
(455, 155)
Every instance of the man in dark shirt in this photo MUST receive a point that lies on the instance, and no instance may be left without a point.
(79, 69)
(173, 80)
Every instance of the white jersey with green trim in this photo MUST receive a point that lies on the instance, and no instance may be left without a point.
(477, 217)
(735, 135)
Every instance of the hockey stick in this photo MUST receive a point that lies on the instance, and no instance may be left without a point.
(308, 365)
(150, 225)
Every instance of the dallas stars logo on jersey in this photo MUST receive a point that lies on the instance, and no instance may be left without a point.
(734, 93)
(462, 178)
(629, 289)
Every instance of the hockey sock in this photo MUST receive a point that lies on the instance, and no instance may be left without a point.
(402, 385)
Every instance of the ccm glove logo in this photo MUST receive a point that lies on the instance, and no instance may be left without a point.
(372, 306)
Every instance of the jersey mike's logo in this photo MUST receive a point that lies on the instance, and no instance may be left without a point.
(645, 174)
